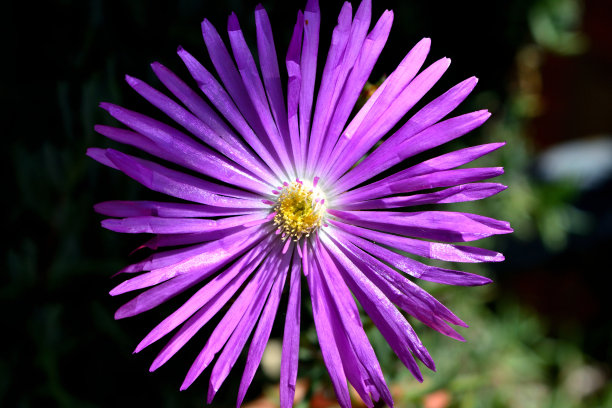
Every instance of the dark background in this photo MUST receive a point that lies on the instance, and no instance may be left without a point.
(545, 86)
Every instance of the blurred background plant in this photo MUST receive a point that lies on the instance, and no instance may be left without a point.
(539, 337)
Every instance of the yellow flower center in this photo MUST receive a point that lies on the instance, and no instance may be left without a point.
(299, 210)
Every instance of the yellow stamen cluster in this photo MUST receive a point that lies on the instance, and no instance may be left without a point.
(299, 211)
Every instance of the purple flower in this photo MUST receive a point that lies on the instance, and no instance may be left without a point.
(283, 187)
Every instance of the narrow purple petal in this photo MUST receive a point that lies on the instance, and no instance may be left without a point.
(239, 337)
(185, 151)
(357, 79)
(456, 194)
(325, 103)
(158, 225)
(249, 302)
(224, 103)
(391, 323)
(163, 209)
(445, 178)
(213, 295)
(162, 259)
(234, 246)
(268, 63)
(381, 118)
(200, 129)
(255, 89)
(339, 295)
(230, 76)
(180, 185)
(447, 161)
(325, 335)
(291, 339)
(194, 102)
(440, 163)
(196, 105)
(443, 226)
(262, 332)
(294, 84)
(415, 268)
(389, 89)
(99, 155)
(164, 240)
(405, 294)
(354, 370)
(417, 125)
(400, 290)
(215, 255)
(134, 139)
(308, 67)
(427, 249)
(205, 305)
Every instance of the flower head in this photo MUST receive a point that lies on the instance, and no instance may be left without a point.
(279, 187)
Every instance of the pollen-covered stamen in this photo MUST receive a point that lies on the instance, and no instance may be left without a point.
(299, 208)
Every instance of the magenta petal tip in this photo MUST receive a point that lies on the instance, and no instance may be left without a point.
(106, 105)
(232, 23)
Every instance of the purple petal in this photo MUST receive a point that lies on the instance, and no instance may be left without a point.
(349, 315)
(162, 259)
(291, 339)
(134, 139)
(196, 105)
(325, 102)
(214, 255)
(294, 84)
(234, 246)
(440, 163)
(162, 209)
(400, 290)
(205, 307)
(99, 155)
(255, 90)
(235, 86)
(405, 294)
(212, 296)
(456, 194)
(443, 226)
(224, 103)
(415, 268)
(357, 79)
(390, 322)
(200, 129)
(432, 250)
(248, 303)
(327, 341)
(447, 161)
(239, 337)
(379, 121)
(194, 102)
(159, 225)
(230, 77)
(165, 240)
(262, 333)
(269, 69)
(445, 178)
(354, 370)
(389, 90)
(185, 151)
(180, 185)
(308, 68)
(417, 125)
